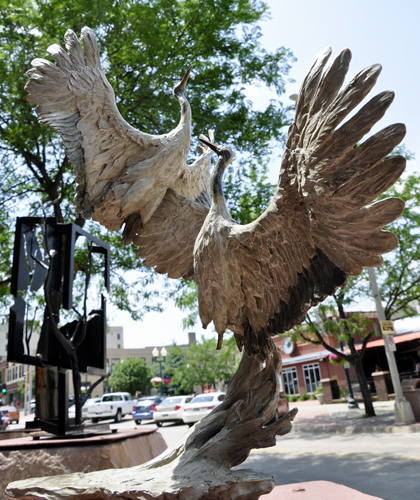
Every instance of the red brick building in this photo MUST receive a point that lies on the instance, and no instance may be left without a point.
(305, 365)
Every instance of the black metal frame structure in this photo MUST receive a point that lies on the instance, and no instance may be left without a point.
(30, 269)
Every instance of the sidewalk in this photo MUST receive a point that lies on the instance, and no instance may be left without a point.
(338, 418)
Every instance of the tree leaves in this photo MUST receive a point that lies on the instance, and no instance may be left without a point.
(202, 363)
(130, 375)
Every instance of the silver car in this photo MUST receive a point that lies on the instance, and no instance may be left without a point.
(171, 409)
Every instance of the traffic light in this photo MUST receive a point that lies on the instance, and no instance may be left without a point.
(3, 388)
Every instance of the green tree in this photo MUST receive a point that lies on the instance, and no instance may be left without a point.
(146, 45)
(202, 363)
(399, 275)
(130, 375)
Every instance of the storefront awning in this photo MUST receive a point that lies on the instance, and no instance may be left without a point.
(405, 337)
(313, 356)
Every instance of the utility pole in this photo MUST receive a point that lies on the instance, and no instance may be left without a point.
(403, 411)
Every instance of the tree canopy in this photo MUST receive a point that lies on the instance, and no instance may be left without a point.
(130, 375)
(146, 47)
(202, 363)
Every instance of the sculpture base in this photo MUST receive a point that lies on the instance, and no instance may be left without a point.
(166, 476)
(199, 466)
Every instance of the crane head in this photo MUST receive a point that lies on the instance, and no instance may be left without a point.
(180, 87)
(223, 152)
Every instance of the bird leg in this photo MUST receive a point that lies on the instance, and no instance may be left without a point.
(199, 466)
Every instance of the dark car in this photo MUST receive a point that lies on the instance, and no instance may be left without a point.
(144, 408)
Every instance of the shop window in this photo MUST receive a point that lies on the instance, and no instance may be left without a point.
(312, 376)
(290, 381)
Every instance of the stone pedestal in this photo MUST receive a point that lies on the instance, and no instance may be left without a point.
(24, 458)
(330, 390)
(380, 384)
(316, 490)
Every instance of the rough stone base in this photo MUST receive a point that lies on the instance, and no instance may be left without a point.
(31, 458)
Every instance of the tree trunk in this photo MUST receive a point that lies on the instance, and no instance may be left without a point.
(366, 395)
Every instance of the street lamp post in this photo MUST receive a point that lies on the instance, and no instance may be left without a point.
(352, 403)
(403, 411)
(155, 354)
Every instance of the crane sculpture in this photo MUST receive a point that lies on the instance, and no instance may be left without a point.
(122, 174)
(257, 280)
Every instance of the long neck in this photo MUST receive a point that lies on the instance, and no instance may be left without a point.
(185, 109)
(218, 203)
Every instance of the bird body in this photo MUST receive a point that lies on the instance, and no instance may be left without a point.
(260, 279)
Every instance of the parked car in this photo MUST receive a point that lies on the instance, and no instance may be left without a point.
(4, 421)
(113, 405)
(33, 405)
(145, 408)
(11, 412)
(200, 406)
(91, 401)
(170, 409)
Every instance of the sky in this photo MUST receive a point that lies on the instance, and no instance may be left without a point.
(376, 31)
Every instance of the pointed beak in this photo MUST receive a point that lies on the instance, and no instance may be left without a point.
(184, 81)
(217, 149)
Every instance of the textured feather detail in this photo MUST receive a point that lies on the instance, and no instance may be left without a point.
(260, 279)
(122, 173)
(167, 241)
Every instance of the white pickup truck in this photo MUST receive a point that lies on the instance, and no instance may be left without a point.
(113, 405)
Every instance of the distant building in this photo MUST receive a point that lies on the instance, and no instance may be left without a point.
(14, 373)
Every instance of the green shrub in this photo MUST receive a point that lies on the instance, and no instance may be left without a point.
(304, 397)
(313, 396)
(293, 399)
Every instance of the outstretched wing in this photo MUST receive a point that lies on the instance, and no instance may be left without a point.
(167, 241)
(75, 98)
(122, 174)
(317, 230)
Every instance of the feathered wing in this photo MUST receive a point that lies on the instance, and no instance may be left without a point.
(167, 241)
(75, 98)
(317, 230)
(122, 174)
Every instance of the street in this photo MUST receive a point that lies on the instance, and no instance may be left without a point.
(378, 464)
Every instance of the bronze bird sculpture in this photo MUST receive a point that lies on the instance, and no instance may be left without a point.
(259, 280)
(122, 174)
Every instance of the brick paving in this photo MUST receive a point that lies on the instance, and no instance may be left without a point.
(338, 418)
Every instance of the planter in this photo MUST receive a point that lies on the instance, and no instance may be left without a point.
(320, 398)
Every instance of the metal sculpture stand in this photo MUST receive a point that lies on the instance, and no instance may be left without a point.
(198, 467)
(44, 257)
